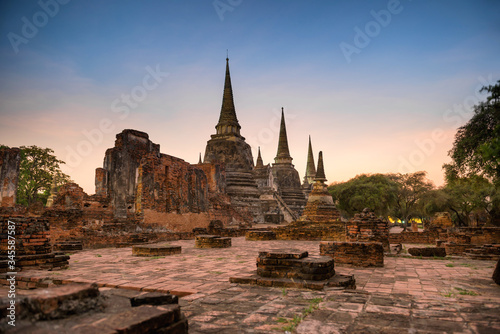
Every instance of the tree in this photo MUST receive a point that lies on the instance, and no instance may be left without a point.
(376, 192)
(39, 168)
(411, 189)
(476, 149)
(474, 194)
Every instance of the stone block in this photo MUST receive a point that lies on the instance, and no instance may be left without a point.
(260, 235)
(60, 302)
(427, 251)
(358, 254)
(212, 241)
(456, 249)
(155, 250)
(154, 298)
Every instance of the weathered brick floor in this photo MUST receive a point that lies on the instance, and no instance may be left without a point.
(408, 295)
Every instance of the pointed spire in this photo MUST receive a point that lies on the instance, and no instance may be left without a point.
(320, 172)
(283, 155)
(310, 168)
(228, 122)
(259, 163)
(199, 160)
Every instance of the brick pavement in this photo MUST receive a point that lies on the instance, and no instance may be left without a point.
(416, 295)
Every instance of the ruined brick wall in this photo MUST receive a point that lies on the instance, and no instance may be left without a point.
(121, 163)
(472, 235)
(358, 254)
(456, 249)
(304, 231)
(101, 182)
(32, 235)
(216, 177)
(169, 184)
(366, 227)
(10, 160)
(481, 235)
(426, 237)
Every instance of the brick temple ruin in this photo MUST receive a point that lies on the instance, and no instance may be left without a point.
(144, 197)
(139, 189)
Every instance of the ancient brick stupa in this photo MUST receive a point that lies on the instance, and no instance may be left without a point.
(229, 147)
(310, 170)
(320, 219)
(285, 175)
(320, 207)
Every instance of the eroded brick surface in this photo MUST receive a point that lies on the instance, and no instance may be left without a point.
(359, 254)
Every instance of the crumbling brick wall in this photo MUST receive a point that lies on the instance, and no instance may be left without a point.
(10, 160)
(169, 184)
(32, 235)
(366, 227)
(359, 254)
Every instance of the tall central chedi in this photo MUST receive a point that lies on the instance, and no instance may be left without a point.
(229, 147)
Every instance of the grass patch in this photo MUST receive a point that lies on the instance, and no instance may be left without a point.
(220, 258)
(242, 261)
(291, 324)
(216, 272)
(284, 292)
(98, 255)
(154, 258)
(450, 265)
(200, 255)
(460, 291)
(466, 292)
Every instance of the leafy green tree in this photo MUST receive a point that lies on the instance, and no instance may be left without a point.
(39, 168)
(474, 194)
(476, 150)
(412, 188)
(432, 202)
(376, 192)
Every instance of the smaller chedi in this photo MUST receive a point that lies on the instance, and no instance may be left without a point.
(320, 219)
(320, 207)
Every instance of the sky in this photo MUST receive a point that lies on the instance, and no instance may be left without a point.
(380, 86)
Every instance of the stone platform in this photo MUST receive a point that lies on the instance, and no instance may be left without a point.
(81, 308)
(211, 241)
(68, 246)
(155, 250)
(50, 261)
(260, 235)
(295, 269)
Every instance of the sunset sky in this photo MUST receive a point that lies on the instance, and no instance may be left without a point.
(381, 86)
